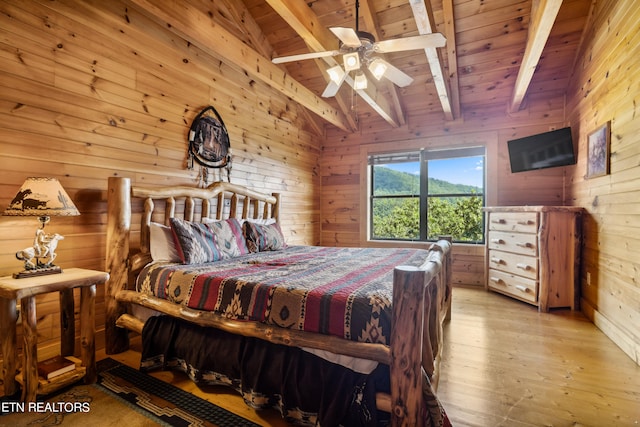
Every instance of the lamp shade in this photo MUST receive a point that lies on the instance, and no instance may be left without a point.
(336, 74)
(360, 82)
(377, 68)
(351, 61)
(41, 197)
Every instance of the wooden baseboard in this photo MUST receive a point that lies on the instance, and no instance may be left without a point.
(622, 339)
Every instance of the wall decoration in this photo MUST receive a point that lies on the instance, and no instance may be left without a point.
(209, 142)
(598, 145)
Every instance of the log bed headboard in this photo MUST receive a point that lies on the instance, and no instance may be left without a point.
(421, 295)
(221, 200)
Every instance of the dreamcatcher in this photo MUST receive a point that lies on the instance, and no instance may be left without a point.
(209, 144)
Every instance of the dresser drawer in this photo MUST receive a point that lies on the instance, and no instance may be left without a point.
(521, 222)
(521, 265)
(526, 244)
(516, 286)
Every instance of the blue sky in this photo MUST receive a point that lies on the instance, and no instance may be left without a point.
(462, 170)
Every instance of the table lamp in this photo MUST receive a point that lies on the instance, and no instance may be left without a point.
(44, 198)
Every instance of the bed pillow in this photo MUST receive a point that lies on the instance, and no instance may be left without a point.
(195, 242)
(229, 237)
(162, 245)
(261, 237)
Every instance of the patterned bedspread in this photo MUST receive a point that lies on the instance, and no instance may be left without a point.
(345, 292)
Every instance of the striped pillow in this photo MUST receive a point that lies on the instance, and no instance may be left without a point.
(195, 242)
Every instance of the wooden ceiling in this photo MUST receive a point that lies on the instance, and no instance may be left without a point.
(499, 53)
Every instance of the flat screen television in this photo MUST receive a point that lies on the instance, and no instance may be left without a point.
(545, 150)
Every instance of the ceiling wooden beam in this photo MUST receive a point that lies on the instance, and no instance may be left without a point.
(241, 17)
(452, 55)
(318, 38)
(371, 22)
(543, 15)
(304, 23)
(199, 29)
(424, 21)
(254, 36)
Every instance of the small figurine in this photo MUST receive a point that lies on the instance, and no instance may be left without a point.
(44, 246)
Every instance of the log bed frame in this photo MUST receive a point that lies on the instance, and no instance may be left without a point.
(421, 295)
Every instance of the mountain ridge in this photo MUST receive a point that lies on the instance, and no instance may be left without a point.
(389, 181)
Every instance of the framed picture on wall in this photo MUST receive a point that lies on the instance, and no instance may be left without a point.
(598, 145)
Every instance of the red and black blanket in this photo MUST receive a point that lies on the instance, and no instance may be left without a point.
(345, 292)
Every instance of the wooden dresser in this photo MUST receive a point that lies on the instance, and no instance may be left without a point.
(533, 254)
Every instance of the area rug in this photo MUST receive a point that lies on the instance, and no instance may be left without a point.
(123, 396)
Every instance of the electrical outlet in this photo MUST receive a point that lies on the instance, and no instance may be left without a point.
(588, 278)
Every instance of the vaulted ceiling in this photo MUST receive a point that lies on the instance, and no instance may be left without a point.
(499, 53)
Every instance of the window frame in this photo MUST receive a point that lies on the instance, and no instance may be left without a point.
(423, 156)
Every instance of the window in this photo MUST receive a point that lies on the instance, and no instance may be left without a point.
(421, 195)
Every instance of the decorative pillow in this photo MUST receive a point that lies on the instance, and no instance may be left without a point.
(263, 237)
(163, 247)
(195, 242)
(229, 237)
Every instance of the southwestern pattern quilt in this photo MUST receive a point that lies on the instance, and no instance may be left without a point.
(345, 292)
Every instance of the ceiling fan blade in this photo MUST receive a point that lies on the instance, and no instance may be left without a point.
(410, 43)
(347, 36)
(331, 89)
(304, 56)
(399, 78)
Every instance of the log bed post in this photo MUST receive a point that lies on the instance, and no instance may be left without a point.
(418, 299)
(119, 225)
(406, 346)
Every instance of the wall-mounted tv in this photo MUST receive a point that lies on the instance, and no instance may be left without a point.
(545, 150)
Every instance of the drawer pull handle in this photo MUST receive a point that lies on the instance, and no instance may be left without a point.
(499, 241)
(522, 289)
(524, 245)
(498, 221)
(497, 260)
(523, 266)
(495, 279)
(527, 222)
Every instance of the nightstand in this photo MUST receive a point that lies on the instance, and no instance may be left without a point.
(26, 290)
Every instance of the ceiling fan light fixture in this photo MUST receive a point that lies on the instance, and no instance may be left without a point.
(351, 61)
(360, 82)
(377, 68)
(336, 74)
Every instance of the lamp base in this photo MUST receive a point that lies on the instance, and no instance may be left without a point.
(54, 269)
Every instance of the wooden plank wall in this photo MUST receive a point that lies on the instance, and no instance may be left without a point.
(92, 89)
(605, 87)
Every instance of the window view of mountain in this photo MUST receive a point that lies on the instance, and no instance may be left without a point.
(452, 209)
(389, 181)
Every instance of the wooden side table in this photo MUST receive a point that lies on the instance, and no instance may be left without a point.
(26, 290)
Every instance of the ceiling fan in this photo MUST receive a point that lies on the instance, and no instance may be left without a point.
(358, 49)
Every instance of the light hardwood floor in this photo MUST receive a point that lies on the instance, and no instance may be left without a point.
(505, 364)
